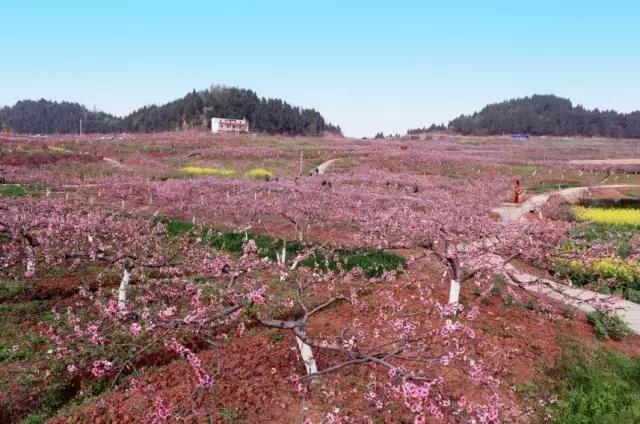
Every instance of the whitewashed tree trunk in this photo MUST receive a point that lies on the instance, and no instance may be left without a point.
(31, 262)
(307, 356)
(454, 292)
(122, 291)
(281, 258)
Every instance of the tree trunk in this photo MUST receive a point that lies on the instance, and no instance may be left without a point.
(454, 292)
(122, 291)
(31, 262)
(307, 356)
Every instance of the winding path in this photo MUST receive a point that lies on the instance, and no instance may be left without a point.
(512, 212)
(114, 162)
(576, 297)
(579, 298)
(322, 168)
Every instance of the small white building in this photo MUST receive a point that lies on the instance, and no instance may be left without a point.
(223, 125)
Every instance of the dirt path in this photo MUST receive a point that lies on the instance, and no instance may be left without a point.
(631, 161)
(576, 297)
(579, 298)
(512, 212)
(322, 168)
(114, 162)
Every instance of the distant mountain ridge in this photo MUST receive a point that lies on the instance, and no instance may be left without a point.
(195, 109)
(547, 115)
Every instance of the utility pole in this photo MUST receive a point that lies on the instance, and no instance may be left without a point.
(80, 126)
(301, 153)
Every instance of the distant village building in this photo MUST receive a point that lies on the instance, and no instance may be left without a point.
(223, 125)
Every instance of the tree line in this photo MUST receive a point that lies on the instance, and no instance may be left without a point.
(547, 115)
(273, 116)
(423, 130)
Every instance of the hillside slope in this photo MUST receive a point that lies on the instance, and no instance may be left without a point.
(547, 115)
(195, 109)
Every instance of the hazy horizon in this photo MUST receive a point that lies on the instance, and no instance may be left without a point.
(366, 66)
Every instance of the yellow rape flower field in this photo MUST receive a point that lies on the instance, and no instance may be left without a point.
(199, 170)
(259, 173)
(608, 215)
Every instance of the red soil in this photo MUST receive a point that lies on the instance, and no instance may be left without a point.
(515, 343)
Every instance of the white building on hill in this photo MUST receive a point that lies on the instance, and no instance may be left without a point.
(223, 125)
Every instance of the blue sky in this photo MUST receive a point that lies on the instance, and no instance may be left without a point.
(366, 65)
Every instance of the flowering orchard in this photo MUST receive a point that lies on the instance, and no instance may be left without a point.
(330, 342)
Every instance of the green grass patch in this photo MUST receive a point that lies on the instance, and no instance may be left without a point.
(56, 149)
(276, 337)
(545, 186)
(10, 289)
(595, 232)
(633, 192)
(176, 227)
(13, 313)
(12, 190)
(520, 169)
(231, 415)
(372, 262)
(595, 385)
(34, 419)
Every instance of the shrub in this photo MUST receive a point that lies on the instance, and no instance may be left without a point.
(530, 304)
(624, 249)
(558, 209)
(627, 273)
(608, 326)
(499, 282)
(8, 354)
(624, 274)
(568, 312)
(259, 174)
(633, 295)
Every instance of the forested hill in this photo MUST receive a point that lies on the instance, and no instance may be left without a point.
(46, 117)
(272, 116)
(547, 115)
